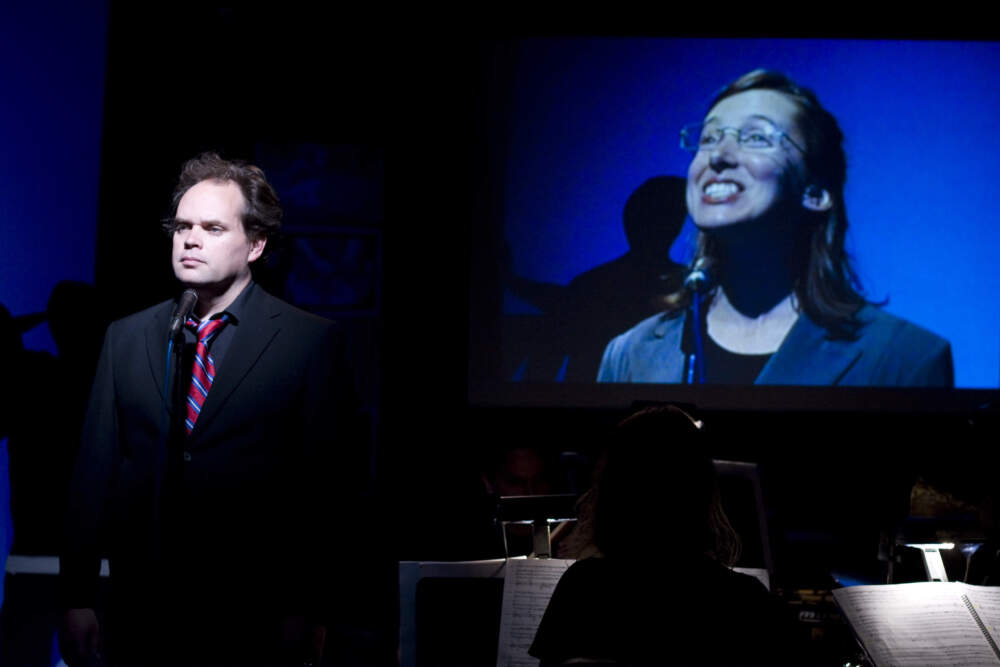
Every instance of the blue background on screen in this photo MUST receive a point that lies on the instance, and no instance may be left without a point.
(591, 119)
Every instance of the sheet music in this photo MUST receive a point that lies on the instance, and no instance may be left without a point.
(527, 587)
(758, 573)
(916, 624)
(986, 600)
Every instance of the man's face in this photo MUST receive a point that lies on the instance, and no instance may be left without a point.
(211, 249)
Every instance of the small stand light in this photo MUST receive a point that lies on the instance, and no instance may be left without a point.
(540, 512)
(932, 558)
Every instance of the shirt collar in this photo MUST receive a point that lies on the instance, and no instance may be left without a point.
(238, 307)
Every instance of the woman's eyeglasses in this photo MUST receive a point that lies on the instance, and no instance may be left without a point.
(699, 137)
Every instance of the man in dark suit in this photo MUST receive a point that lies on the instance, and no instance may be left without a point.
(213, 486)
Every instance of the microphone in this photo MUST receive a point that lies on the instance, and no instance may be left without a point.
(700, 279)
(184, 307)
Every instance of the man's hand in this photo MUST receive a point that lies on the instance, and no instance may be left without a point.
(81, 637)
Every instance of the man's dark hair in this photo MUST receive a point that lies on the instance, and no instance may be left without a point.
(827, 288)
(261, 216)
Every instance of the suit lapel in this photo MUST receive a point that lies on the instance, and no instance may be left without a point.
(254, 333)
(671, 362)
(808, 357)
(156, 347)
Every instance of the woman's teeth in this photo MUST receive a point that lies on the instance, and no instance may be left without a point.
(721, 190)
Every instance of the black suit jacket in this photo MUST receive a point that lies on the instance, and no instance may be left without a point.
(232, 521)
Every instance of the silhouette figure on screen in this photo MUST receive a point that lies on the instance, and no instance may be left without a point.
(661, 591)
(607, 299)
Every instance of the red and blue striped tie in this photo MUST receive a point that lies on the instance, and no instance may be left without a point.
(203, 369)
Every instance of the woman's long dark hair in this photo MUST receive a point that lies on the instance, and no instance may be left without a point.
(657, 494)
(827, 288)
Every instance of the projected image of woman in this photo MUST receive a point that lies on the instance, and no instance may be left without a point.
(781, 302)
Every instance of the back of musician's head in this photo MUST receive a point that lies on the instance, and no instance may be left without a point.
(262, 210)
(657, 495)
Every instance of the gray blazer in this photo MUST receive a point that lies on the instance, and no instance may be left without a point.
(888, 352)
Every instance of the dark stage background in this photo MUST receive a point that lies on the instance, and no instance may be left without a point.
(318, 100)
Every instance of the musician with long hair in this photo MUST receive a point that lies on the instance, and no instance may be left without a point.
(661, 589)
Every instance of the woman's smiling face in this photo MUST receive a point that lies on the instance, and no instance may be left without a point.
(728, 183)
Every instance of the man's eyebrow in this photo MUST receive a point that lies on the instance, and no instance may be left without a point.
(203, 223)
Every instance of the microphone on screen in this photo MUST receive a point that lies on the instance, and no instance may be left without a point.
(700, 279)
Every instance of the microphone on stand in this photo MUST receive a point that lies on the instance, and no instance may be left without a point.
(181, 312)
(700, 280)
(184, 307)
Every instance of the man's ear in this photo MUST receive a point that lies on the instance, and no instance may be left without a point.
(256, 248)
(817, 199)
